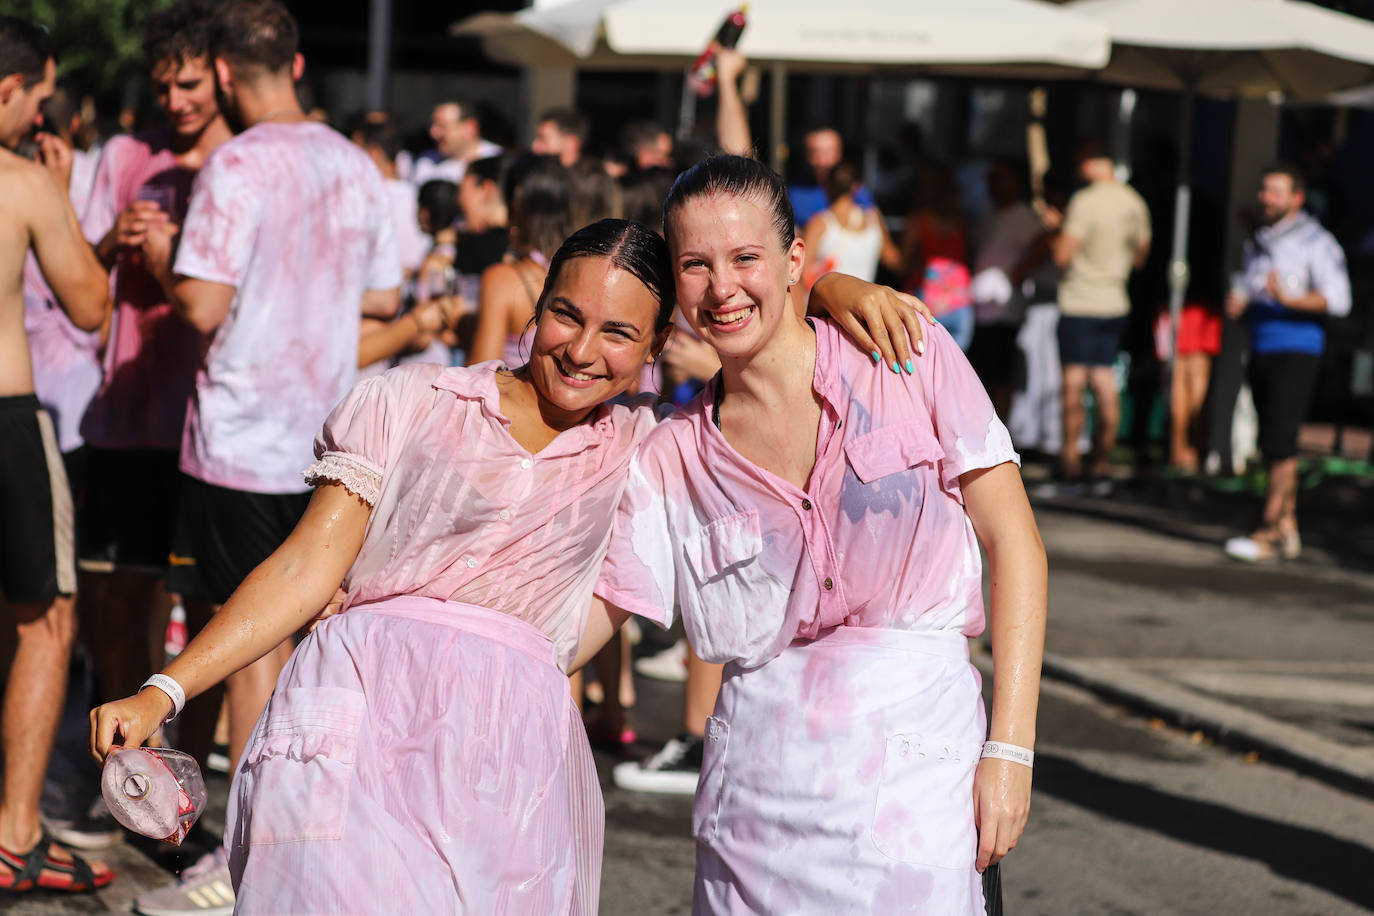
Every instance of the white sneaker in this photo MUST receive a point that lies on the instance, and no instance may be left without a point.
(668, 665)
(674, 770)
(203, 889)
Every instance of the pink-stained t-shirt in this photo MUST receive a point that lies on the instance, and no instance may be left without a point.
(879, 538)
(461, 512)
(295, 218)
(66, 369)
(151, 356)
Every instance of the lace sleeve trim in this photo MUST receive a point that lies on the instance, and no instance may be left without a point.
(358, 476)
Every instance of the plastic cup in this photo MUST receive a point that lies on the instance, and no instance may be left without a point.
(155, 792)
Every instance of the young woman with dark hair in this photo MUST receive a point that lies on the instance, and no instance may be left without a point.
(421, 752)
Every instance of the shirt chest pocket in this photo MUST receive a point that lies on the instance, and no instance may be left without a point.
(893, 448)
(731, 603)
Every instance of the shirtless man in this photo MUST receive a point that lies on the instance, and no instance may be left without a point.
(37, 570)
(288, 235)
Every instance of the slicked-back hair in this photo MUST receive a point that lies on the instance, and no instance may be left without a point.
(630, 246)
(734, 176)
(25, 48)
(178, 34)
(254, 35)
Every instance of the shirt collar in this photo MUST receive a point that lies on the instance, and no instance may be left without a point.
(478, 383)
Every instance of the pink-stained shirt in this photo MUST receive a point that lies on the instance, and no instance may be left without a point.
(66, 369)
(295, 218)
(460, 511)
(878, 539)
(151, 355)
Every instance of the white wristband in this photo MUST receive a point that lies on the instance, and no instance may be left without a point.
(1001, 751)
(173, 690)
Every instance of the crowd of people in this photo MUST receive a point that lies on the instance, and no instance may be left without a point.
(410, 439)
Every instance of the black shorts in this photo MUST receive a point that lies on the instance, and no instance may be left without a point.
(995, 356)
(1283, 385)
(221, 535)
(37, 549)
(126, 510)
(1089, 341)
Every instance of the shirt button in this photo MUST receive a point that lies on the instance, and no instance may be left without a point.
(525, 463)
(806, 504)
(829, 582)
(504, 515)
(472, 564)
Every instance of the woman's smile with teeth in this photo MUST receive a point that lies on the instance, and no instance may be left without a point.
(731, 316)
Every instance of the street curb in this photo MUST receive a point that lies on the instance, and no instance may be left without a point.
(1229, 724)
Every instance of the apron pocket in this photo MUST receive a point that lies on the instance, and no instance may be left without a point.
(301, 765)
(924, 809)
(711, 783)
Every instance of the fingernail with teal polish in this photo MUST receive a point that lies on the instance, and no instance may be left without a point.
(876, 357)
(896, 368)
(910, 368)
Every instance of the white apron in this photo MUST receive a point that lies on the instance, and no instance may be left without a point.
(840, 773)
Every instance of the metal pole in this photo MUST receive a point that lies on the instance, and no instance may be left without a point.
(378, 54)
(777, 117)
(1183, 198)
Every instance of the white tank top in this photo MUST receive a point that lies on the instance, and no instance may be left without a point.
(852, 251)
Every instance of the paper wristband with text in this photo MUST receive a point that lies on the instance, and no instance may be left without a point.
(173, 690)
(1000, 751)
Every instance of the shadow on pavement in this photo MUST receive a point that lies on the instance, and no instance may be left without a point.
(1332, 864)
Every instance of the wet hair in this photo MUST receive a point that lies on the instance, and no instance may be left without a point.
(179, 33)
(385, 137)
(25, 48)
(254, 35)
(643, 192)
(539, 198)
(569, 121)
(1295, 176)
(440, 198)
(629, 246)
(842, 180)
(735, 176)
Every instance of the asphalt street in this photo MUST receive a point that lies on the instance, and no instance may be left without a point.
(1132, 814)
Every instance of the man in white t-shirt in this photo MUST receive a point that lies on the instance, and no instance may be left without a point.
(288, 233)
(457, 134)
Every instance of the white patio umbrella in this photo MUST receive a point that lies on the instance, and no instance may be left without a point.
(1252, 48)
(855, 37)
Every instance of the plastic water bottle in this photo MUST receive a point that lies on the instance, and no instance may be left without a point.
(153, 791)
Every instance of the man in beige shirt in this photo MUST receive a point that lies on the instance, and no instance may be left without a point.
(1105, 235)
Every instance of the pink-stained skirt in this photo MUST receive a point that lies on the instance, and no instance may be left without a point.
(418, 756)
(838, 779)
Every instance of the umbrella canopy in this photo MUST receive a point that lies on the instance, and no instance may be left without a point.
(855, 37)
(1234, 47)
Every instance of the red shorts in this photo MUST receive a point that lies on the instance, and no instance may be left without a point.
(1199, 331)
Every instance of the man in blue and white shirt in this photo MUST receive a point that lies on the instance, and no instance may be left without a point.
(1294, 277)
